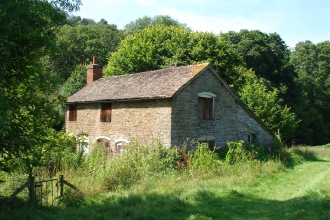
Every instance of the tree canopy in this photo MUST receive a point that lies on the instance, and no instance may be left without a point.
(160, 46)
(27, 34)
(267, 106)
(77, 44)
(312, 63)
(146, 21)
(267, 55)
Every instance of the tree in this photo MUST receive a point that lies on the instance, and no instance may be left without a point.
(267, 55)
(27, 34)
(146, 21)
(75, 82)
(267, 106)
(312, 63)
(77, 44)
(160, 46)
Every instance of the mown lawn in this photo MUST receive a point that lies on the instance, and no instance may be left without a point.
(301, 191)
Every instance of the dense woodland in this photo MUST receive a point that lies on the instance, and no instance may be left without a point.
(44, 51)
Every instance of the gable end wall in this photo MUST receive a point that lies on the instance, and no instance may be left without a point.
(231, 123)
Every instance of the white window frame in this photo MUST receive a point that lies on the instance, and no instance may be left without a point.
(119, 143)
(84, 144)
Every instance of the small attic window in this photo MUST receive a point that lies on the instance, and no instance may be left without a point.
(206, 105)
(73, 112)
(106, 112)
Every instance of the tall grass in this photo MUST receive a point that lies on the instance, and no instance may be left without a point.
(146, 162)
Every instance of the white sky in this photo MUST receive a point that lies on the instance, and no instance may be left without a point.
(293, 20)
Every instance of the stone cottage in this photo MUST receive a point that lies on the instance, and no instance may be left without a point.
(172, 104)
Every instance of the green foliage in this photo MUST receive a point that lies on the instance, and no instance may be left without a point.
(26, 34)
(160, 46)
(239, 188)
(95, 162)
(142, 23)
(141, 158)
(76, 45)
(67, 5)
(267, 106)
(266, 54)
(73, 84)
(28, 115)
(312, 65)
(149, 49)
(26, 112)
(237, 153)
(203, 160)
(55, 149)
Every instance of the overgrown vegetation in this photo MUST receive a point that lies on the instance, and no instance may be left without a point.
(175, 180)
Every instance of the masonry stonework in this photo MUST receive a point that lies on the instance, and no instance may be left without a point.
(141, 119)
(231, 121)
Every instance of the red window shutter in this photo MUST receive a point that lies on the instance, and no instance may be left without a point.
(208, 108)
(106, 112)
(72, 112)
(205, 108)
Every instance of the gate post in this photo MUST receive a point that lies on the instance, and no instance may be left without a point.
(32, 193)
(61, 185)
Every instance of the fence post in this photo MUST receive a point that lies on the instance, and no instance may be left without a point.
(32, 193)
(61, 185)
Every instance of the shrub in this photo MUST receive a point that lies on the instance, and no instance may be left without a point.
(236, 153)
(141, 158)
(203, 160)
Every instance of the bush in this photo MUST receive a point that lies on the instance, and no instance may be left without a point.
(141, 158)
(240, 152)
(203, 160)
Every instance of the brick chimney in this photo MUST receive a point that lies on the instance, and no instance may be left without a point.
(94, 71)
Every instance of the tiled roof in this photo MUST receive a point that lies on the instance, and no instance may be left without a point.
(163, 83)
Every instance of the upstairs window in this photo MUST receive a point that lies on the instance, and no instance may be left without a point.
(106, 112)
(72, 112)
(206, 106)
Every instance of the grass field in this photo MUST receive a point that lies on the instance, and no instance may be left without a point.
(246, 190)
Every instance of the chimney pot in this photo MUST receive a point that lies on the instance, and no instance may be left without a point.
(94, 60)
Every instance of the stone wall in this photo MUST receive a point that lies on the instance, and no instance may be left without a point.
(141, 119)
(231, 122)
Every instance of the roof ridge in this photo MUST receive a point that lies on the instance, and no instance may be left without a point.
(149, 71)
